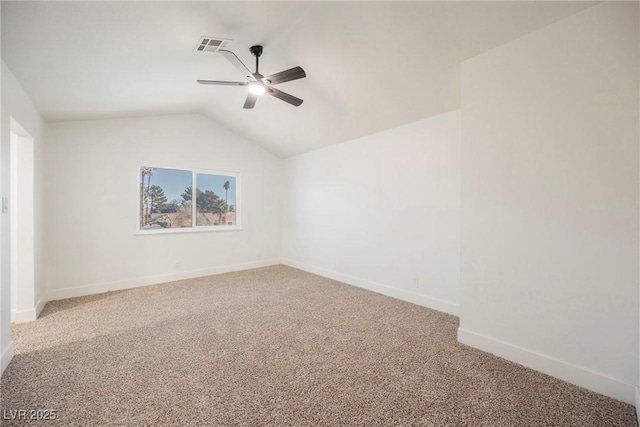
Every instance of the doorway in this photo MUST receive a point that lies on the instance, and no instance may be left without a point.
(22, 224)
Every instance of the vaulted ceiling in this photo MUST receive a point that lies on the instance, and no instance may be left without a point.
(370, 65)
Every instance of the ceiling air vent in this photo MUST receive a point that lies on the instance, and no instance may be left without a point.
(211, 44)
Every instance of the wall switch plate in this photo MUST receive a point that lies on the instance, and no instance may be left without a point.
(5, 205)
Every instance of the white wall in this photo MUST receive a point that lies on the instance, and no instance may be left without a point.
(549, 253)
(16, 104)
(92, 199)
(381, 210)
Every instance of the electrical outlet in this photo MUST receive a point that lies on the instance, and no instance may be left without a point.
(177, 264)
(415, 282)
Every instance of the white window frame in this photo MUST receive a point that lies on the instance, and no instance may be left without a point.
(194, 228)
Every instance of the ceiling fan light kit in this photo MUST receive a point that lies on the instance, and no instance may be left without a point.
(257, 89)
(257, 83)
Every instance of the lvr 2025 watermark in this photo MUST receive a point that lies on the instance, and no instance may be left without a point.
(29, 414)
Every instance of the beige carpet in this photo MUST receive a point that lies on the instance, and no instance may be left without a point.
(275, 346)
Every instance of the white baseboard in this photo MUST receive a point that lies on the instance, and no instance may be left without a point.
(6, 356)
(423, 300)
(98, 288)
(638, 404)
(28, 315)
(23, 316)
(43, 301)
(591, 380)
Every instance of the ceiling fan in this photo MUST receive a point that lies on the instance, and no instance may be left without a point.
(259, 84)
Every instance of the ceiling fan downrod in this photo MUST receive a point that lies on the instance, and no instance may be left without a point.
(256, 51)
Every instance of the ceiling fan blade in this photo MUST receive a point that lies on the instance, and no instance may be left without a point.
(251, 101)
(215, 82)
(294, 73)
(235, 61)
(284, 96)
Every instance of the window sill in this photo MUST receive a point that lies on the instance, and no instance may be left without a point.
(188, 230)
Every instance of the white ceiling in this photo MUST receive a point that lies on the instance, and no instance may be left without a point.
(370, 65)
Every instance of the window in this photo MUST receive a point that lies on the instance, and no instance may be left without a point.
(167, 202)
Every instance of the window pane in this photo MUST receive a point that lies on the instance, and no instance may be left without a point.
(215, 200)
(165, 198)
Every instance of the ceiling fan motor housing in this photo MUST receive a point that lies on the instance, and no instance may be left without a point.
(256, 50)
